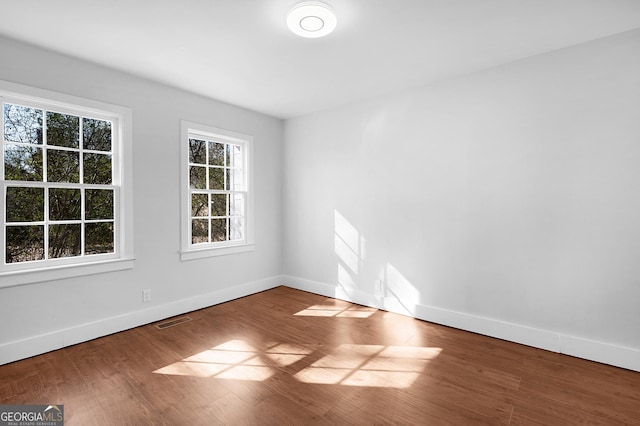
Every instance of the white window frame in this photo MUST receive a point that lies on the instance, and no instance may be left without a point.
(122, 258)
(190, 251)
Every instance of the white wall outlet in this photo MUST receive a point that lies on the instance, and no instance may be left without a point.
(146, 295)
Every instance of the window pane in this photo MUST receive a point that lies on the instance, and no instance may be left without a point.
(98, 204)
(234, 156)
(197, 151)
(22, 163)
(216, 154)
(199, 205)
(199, 231)
(216, 178)
(98, 238)
(235, 179)
(98, 169)
(236, 231)
(22, 124)
(230, 183)
(96, 134)
(218, 204)
(63, 166)
(198, 177)
(24, 243)
(64, 240)
(228, 154)
(64, 204)
(218, 230)
(236, 207)
(63, 130)
(25, 204)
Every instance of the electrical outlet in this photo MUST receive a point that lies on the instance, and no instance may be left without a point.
(146, 295)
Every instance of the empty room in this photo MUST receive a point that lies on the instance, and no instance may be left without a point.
(340, 212)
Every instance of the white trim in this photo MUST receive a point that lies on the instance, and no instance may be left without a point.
(605, 353)
(32, 272)
(222, 251)
(16, 278)
(602, 352)
(189, 251)
(35, 345)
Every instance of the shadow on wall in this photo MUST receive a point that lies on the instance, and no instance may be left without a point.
(390, 291)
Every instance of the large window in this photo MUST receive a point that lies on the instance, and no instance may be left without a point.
(62, 184)
(216, 188)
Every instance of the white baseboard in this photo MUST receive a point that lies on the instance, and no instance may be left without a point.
(40, 344)
(605, 353)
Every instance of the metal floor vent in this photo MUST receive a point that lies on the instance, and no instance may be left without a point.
(172, 322)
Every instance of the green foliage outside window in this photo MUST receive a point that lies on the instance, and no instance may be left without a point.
(58, 172)
(216, 172)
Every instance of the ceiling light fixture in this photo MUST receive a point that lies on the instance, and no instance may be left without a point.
(311, 19)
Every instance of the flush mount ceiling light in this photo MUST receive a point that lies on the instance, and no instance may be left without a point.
(311, 19)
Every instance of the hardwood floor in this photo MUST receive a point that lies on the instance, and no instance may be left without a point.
(284, 356)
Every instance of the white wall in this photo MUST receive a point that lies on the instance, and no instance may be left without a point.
(505, 202)
(40, 317)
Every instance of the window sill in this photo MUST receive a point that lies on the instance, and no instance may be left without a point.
(32, 276)
(217, 251)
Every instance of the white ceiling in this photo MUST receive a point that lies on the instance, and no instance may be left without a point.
(240, 51)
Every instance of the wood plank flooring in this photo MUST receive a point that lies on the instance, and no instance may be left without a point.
(287, 357)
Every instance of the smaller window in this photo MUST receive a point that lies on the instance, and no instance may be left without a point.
(216, 202)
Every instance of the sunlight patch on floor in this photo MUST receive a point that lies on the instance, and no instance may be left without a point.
(237, 359)
(339, 311)
(370, 365)
(345, 364)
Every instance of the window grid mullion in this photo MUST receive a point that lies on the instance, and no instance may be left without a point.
(82, 188)
(81, 149)
(208, 185)
(46, 222)
(45, 179)
(45, 149)
(227, 187)
(210, 223)
(82, 221)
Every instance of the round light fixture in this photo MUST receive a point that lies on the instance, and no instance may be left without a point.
(311, 19)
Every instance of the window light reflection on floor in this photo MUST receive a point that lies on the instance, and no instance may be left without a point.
(339, 310)
(345, 364)
(237, 359)
(370, 365)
